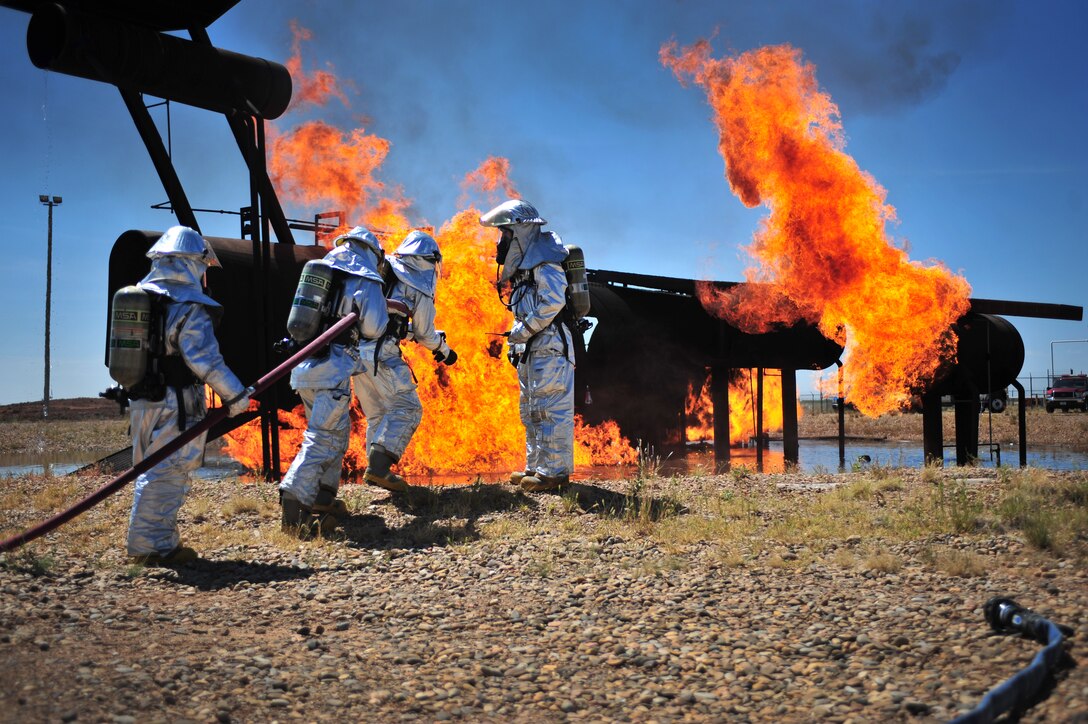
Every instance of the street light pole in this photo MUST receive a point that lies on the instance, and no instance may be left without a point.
(50, 202)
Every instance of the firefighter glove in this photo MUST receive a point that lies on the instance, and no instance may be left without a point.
(240, 403)
(448, 358)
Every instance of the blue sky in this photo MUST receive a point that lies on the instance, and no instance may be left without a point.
(972, 114)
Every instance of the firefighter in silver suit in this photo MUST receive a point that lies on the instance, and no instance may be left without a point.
(540, 343)
(387, 389)
(192, 359)
(308, 490)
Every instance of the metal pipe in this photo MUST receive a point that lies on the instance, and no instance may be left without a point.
(932, 428)
(790, 446)
(166, 450)
(759, 419)
(842, 419)
(142, 60)
(1021, 423)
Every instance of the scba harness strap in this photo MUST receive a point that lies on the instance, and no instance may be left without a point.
(524, 281)
(400, 317)
(164, 371)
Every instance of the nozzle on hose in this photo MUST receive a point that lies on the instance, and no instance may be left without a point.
(1006, 616)
(118, 394)
(287, 345)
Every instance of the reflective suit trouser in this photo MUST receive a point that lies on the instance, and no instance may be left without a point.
(391, 405)
(547, 411)
(158, 494)
(319, 461)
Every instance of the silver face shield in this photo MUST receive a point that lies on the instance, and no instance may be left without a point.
(514, 211)
(418, 272)
(179, 269)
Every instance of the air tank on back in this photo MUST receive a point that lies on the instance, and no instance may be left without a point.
(310, 305)
(577, 284)
(130, 335)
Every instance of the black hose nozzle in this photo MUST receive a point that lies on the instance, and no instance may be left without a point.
(1006, 616)
(287, 345)
(118, 394)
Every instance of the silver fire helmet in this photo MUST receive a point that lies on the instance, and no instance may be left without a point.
(418, 243)
(183, 242)
(361, 237)
(514, 211)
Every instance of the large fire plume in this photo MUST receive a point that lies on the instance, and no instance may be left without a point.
(471, 422)
(823, 251)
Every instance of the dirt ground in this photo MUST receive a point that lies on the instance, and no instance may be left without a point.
(850, 597)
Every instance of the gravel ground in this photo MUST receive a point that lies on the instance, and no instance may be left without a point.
(615, 601)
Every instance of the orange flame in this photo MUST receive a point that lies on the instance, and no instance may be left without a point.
(699, 408)
(601, 444)
(493, 174)
(823, 246)
(318, 165)
(315, 88)
(471, 422)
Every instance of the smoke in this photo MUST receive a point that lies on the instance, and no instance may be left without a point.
(909, 69)
(904, 54)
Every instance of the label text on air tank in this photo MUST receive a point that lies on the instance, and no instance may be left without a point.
(316, 281)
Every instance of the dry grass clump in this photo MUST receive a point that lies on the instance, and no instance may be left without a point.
(1050, 511)
(884, 563)
(955, 562)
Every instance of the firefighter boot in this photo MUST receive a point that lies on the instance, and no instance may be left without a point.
(378, 472)
(517, 476)
(180, 555)
(328, 510)
(296, 519)
(539, 483)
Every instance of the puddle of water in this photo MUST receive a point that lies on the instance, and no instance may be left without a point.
(815, 456)
(216, 466)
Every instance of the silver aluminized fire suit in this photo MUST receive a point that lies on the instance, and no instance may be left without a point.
(178, 262)
(387, 391)
(324, 383)
(539, 340)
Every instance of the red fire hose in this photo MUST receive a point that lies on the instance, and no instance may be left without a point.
(162, 453)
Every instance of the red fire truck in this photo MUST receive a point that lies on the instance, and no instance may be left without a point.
(1067, 392)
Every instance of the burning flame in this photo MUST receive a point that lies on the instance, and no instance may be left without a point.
(699, 408)
(315, 88)
(471, 421)
(823, 250)
(318, 165)
(493, 174)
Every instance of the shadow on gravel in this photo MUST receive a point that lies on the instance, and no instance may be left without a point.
(441, 516)
(211, 575)
(610, 504)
